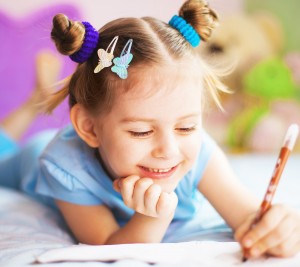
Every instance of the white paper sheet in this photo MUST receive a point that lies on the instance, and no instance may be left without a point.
(206, 253)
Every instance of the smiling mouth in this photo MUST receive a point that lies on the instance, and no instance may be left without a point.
(157, 170)
(157, 173)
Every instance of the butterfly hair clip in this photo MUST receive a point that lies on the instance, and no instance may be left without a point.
(122, 62)
(105, 57)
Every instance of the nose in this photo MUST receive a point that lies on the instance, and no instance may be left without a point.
(166, 146)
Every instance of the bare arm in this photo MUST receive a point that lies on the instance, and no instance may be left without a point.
(141, 229)
(225, 192)
(96, 225)
(277, 233)
(90, 224)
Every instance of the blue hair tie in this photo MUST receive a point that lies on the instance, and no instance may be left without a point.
(90, 42)
(186, 30)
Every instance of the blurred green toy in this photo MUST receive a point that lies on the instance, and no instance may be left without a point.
(270, 79)
(268, 82)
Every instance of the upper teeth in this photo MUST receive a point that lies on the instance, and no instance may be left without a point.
(159, 170)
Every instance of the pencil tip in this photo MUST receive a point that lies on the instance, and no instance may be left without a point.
(244, 259)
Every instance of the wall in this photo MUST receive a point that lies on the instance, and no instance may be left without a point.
(288, 14)
(99, 11)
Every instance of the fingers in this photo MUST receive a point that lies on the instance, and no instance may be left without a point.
(288, 247)
(116, 185)
(138, 198)
(140, 194)
(146, 197)
(277, 233)
(267, 224)
(152, 196)
(243, 228)
(167, 204)
(127, 186)
(278, 238)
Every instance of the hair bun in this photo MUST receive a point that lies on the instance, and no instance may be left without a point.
(68, 35)
(198, 14)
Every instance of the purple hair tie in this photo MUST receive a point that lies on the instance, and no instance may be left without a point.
(90, 42)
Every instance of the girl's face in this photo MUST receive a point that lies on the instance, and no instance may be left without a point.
(156, 135)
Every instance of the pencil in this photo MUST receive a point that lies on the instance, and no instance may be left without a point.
(287, 147)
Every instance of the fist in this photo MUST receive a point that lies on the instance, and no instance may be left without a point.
(277, 233)
(146, 197)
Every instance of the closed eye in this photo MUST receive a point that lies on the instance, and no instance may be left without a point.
(186, 130)
(140, 134)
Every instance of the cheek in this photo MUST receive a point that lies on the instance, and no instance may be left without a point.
(124, 154)
(191, 147)
(118, 152)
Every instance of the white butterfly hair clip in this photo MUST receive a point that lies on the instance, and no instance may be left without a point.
(122, 62)
(105, 57)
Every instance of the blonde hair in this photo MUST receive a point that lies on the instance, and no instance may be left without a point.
(154, 42)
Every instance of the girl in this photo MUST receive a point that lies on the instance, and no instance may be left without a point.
(136, 157)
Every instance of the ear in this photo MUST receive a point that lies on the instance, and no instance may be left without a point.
(83, 124)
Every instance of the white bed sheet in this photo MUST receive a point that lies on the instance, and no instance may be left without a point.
(28, 228)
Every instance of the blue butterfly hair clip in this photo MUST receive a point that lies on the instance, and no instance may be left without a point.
(122, 62)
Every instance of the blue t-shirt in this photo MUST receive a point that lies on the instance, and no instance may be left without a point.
(7, 145)
(70, 171)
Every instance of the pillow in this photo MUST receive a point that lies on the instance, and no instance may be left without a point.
(28, 228)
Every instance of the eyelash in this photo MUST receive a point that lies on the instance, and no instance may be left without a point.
(140, 134)
(145, 134)
(187, 130)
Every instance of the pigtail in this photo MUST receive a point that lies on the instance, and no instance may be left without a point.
(68, 37)
(53, 100)
(214, 85)
(204, 20)
(198, 14)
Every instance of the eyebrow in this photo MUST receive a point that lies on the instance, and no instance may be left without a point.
(137, 119)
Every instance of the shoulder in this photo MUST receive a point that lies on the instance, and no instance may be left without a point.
(208, 144)
(67, 149)
(207, 149)
(65, 140)
(65, 171)
(187, 189)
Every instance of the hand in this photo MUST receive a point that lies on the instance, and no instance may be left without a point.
(146, 197)
(277, 233)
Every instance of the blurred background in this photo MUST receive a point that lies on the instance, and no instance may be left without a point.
(260, 36)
